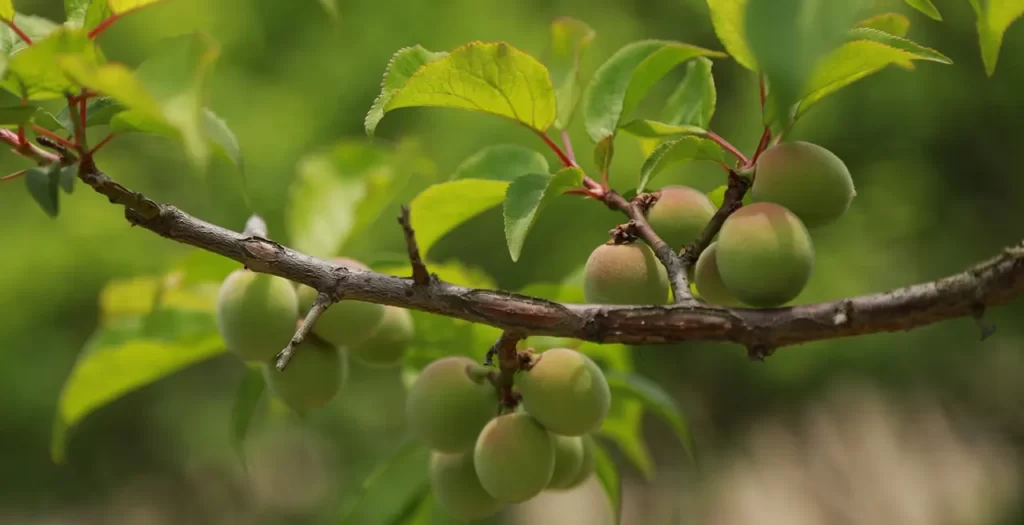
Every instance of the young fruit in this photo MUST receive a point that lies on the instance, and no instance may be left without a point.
(624, 274)
(514, 457)
(345, 323)
(765, 255)
(709, 281)
(806, 178)
(446, 408)
(387, 344)
(566, 392)
(680, 214)
(568, 461)
(312, 378)
(457, 488)
(586, 465)
(256, 314)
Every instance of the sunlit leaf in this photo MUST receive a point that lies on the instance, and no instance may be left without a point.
(402, 65)
(608, 476)
(678, 151)
(35, 71)
(926, 7)
(729, 20)
(502, 162)
(397, 483)
(7, 9)
(247, 397)
(994, 17)
(493, 78)
(36, 28)
(441, 207)
(693, 102)
(570, 39)
(623, 80)
(655, 129)
(527, 196)
(892, 23)
(654, 398)
(717, 195)
(123, 6)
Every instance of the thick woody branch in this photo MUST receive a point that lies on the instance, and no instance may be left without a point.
(733, 200)
(320, 305)
(420, 275)
(990, 283)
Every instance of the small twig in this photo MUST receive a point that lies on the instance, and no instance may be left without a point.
(12, 176)
(727, 145)
(420, 275)
(322, 303)
(27, 149)
(566, 161)
(102, 143)
(738, 187)
(567, 142)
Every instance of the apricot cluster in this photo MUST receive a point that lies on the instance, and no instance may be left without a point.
(258, 314)
(482, 459)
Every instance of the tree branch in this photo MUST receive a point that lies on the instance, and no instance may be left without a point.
(320, 305)
(990, 283)
(733, 200)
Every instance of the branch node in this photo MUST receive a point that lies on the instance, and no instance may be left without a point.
(255, 227)
(986, 329)
(733, 201)
(759, 351)
(844, 311)
(509, 362)
(420, 275)
(323, 301)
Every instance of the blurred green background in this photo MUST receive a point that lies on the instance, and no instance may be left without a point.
(929, 424)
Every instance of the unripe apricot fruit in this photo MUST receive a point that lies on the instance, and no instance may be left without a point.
(256, 314)
(346, 322)
(387, 344)
(568, 461)
(312, 378)
(624, 274)
(680, 215)
(514, 457)
(709, 281)
(446, 408)
(808, 179)
(765, 255)
(566, 392)
(457, 488)
(587, 464)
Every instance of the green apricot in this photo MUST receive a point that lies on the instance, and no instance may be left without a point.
(568, 461)
(345, 323)
(808, 179)
(566, 392)
(514, 457)
(388, 343)
(587, 465)
(457, 488)
(680, 215)
(312, 378)
(257, 314)
(709, 281)
(765, 255)
(446, 408)
(624, 274)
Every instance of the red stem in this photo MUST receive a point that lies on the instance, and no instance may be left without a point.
(728, 147)
(764, 92)
(568, 147)
(83, 106)
(566, 161)
(96, 31)
(762, 145)
(56, 138)
(21, 34)
(102, 143)
(21, 134)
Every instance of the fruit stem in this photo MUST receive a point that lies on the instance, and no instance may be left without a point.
(727, 145)
(566, 161)
(733, 201)
(322, 303)
(762, 145)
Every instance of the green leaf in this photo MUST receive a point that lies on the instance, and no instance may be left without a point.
(653, 397)
(622, 81)
(98, 112)
(655, 129)
(222, 138)
(7, 9)
(684, 149)
(43, 184)
(493, 78)
(788, 37)
(86, 14)
(130, 351)
(729, 20)
(994, 18)
(123, 6)
(396, 485)
(926, 7)
(717, 195)
(869, 52)
(35, 72)
(324, 198)
(247, 398)
(604, 152)
(36, 27)
(502, 162)
(402, 65)
(570, 39)
(693, 102)
(892, 23)
(527, 196)
(68, 176)
(15, 116)
(608, 476)
(441, 207)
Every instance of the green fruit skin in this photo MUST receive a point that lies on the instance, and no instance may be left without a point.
(514, 457)
(256, 314)
(345, 323)
(709, 280)
(312, 378)
(808, 179)
(566, 392)
(446, 409)
(624, 274)
(568, 461)
(388, 343)
(587, 465)
(765, 255)
(457, 488)
(680, 215)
